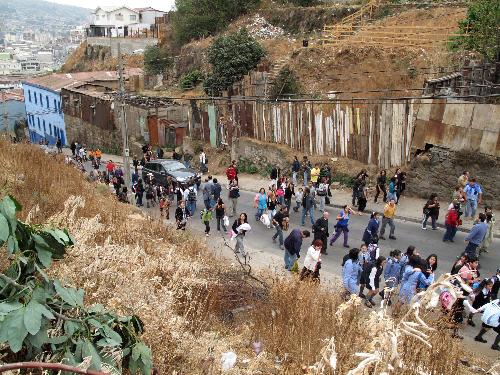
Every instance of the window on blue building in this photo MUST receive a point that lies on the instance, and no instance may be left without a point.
(59, 107)
(36, 101)
(29, 95)
(38, 120)
(44, 128)
(47, 100)
(50, 128)
(55, 105)
(61, 135)
(41, 100)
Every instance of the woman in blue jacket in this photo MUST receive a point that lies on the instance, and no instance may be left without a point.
(350, 272)
(371, 229)
(392, 271)
(412, 279)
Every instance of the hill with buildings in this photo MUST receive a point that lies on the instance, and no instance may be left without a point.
(32, 15)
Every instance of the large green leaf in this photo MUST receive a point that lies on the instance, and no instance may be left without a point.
(71, 296)
(33, 317)
(12, 245)
(8, 207)
(13, 331)
(4, 229)
(44, 256)
(71, 327)
(88, 350)
(39, 339)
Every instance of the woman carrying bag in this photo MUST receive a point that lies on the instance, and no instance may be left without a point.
(312, 262)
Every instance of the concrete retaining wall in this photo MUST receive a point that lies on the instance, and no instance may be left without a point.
(128, 45)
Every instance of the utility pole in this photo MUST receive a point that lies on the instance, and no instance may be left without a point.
(123, 121)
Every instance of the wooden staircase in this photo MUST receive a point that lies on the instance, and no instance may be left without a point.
(332, 34)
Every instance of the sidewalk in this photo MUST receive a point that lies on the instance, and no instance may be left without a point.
(409, 208)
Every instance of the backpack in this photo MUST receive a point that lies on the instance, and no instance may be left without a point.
(321, 191)
(230, 173)
(234, 193)
(191, 195)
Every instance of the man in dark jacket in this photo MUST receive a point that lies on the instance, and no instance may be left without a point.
(295, 170)
(320, 229)
(278, 221)
(293, 243)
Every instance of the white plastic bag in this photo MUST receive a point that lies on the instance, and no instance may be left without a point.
(228, 360)
(264, 218)
(226, 221)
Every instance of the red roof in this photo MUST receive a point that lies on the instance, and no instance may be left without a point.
(14, 94)
(57, 81)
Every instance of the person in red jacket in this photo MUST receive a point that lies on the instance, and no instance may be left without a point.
(451, 222)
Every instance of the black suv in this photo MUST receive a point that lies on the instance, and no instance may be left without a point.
(160, 169)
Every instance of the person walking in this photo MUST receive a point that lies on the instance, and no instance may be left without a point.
(355, 188)
(491, 320)
(203, 162)
(306, 169)
(320, 230)
(412, 279)
(373, 270)
(463, 179)
(239, 232)
(234, 194)
(381, 185)
(299, 195)
(451, 223)
(208, 189)
(342, 225)
(476, 236)
(231, 172)
(278, 222)
(431, 209)
(400, 182)
(315, 175)
(181, 215)
(371, 229)
(139, 192)
(392, 190)
(351, 271)
(216, 190)
(206, 217)
(388, 218)
(312, 262)
(289, 193)
(292, 244)
(307, 206)
(322, 192)
(474, 196)
(59, 145)
(295, 170)
(482, 295)
(488, 238)
(260, 203)
(274, 175)
(220, 212)
(191, 196)
(392, 271)
(362, 196)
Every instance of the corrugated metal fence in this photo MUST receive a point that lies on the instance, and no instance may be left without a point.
(377, 133)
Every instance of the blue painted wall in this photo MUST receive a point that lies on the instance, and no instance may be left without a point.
(44, 114)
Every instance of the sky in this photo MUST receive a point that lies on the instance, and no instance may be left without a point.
(164, 5)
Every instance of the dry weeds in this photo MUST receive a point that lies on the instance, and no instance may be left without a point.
(196, 306)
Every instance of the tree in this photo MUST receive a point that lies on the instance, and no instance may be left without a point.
(156, 60)
(286, 84)
(232, 57)
(482, 28)
(41, 318)
(200, 18)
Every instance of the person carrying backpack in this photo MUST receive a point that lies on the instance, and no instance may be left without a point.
(322, 192)
(206, 216)
(191, 199)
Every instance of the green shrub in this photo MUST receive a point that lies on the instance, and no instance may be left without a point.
(156, 60)
(191, 79)
(195, 19)
(286, 84)
(232, 56)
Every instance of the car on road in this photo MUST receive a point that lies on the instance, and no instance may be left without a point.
(160, 169)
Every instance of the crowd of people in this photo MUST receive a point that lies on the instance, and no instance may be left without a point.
(397, 278)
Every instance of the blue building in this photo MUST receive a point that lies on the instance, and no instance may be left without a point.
(42, 100)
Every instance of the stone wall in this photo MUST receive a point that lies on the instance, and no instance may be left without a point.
(437, 169)
(91, 135)
(127, 45)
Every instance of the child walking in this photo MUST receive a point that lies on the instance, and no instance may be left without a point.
(206, 216)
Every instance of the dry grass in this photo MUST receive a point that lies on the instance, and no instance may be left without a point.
(196, 306)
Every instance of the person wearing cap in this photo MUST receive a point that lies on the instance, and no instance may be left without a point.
(451, 223)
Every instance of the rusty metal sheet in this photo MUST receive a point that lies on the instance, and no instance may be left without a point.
(488, 142)
(435, 132)
(437, 110)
